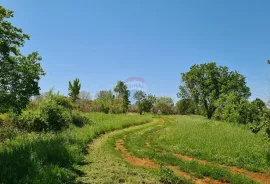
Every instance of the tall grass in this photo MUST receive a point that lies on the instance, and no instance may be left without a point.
(52, 157)
(219, 142)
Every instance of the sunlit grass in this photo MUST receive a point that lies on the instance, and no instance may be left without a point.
(219, 142)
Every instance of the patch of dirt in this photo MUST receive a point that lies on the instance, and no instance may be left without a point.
(187, 158)
(148, 144)
(263, 178)
(205, 180)
(162, 120)
(134, 160)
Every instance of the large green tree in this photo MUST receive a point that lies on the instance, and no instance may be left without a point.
(19, 74)
(122, 93)
(74, 89)
(205, 83)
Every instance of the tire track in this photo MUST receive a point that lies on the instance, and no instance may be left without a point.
(263, 178)
(145, 162)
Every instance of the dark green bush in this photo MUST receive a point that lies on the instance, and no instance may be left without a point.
(32, 120)
(56, 116)
(48, 117)
(79, 119)
(185, 106)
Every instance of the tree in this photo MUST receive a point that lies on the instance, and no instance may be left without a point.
(122, 93)
(85, 96)
(19, 74)
(185, 106)
(164, 105)
(205, 83)
(144, 102)
(105, 95)
(74, 89)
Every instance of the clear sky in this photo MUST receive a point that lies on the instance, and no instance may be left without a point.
(101, 41)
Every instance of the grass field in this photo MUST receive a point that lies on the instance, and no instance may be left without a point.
(52, 158)
(132, 148)
(178, 149)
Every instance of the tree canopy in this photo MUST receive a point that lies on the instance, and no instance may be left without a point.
(19, 74)
(205, 83)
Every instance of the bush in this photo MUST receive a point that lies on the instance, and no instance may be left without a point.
(185, 106)
(32, 120)
(231, 108)
(133, 108)
(79, 119)
(4, 119)
(7, 127)
(49, 116)
(117, 107)
(62, 101)
(55, 115)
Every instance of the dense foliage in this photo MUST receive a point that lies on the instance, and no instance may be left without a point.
(144, 102)
(19, 74)
(206, 83)
(185, 106)
(164, 105)
(53, 113)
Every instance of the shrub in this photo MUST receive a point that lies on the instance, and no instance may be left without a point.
(32, 120)
(63, 101)
(55, 115)
(49, 116)
(7, 127)
(117, 107)
(133, 108)
(185, 106)
(4, 119)
(79, 119)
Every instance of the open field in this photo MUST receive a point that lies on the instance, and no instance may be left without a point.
(178, 149)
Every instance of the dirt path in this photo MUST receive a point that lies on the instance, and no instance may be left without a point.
(134, 160)
(103, 164)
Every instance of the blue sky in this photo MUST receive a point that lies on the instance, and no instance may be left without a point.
(101, 41)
